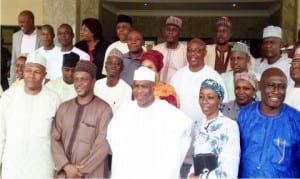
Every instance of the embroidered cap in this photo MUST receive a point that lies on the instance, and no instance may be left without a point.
(224, 21)
(36, 57)
(86, 66)
(240, 47)
(115, 53)
(272, 31)
(172, 20)
(250, 77)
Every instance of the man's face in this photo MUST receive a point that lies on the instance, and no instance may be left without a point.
(195, 55)
(26, 24)
(273, 89)
(34, 75)
(172, 33)
(143, 92)
(244, 92)
(271, 47)
(223, 35)
(123, 29)
(135, 41)
(239, 62)
(47, 37)
(68, 73)
(295, 71)
(65, 36)
(20, 64)
(83, 83)
(114, 66)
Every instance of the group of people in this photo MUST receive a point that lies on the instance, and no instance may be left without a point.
(99, 110)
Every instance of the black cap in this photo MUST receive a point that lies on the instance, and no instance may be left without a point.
(124, 18)
(70, 59)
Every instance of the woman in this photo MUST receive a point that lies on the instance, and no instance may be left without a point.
(217, 136)
(93, 43)
(154, 60)
(245, 88)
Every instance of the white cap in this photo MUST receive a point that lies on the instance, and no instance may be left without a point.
(144, 74)
(35, 57)
(272, 31)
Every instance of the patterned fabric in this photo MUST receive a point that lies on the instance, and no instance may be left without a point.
(219, 136)
(212, 84)
(240, 47)
(248, 76)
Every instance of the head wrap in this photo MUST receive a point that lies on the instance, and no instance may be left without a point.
(224, 21)
(86, 66)
(297, 54)
(115, 53)
(155, 57)
(144, 74)
(172, 20)
(272, 31)
(124, 18)
(35, 57)
(240, 47)
(250, 77)
(212, 84)
(70, 59)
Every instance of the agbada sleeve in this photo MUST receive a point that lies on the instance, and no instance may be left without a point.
(57, 147)
(100, 148)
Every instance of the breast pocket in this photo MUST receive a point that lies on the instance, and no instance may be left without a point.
(280, 151)
(87, 131)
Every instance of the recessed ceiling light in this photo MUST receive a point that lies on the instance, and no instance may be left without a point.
(233, 5)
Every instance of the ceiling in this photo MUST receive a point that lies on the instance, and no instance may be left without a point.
(192, 7)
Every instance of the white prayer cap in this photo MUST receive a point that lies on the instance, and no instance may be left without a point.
(272, 31)
(144, 74)
(172, 20)
(36, 57)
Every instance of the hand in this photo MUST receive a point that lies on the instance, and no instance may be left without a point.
(193, 176)
(72, 170)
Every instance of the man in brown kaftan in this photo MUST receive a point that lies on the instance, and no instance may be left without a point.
(79, 143)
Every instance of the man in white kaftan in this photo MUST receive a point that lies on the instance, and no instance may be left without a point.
(148, 137)
(26, 114)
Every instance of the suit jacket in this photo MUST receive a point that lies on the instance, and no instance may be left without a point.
(16, 51)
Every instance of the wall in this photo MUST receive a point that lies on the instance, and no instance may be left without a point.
(11, 8)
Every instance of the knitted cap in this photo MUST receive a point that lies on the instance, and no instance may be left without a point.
(86, 66)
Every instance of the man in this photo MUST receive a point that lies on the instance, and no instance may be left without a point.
(20, 64)
(63, 85)
(132, 59)
(240, 61)
(65, 37)
(78, 134)
(186, 82)
(173, 51)
(123, 27)
(218, 54)
(26, 114)
(113, 89)
(270, 132)
(271, 53)
(50, 52)
(25, 40)
(148, 137)
(295, 46)
(293, 91)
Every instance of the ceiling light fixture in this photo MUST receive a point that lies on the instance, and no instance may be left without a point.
(233, 5)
